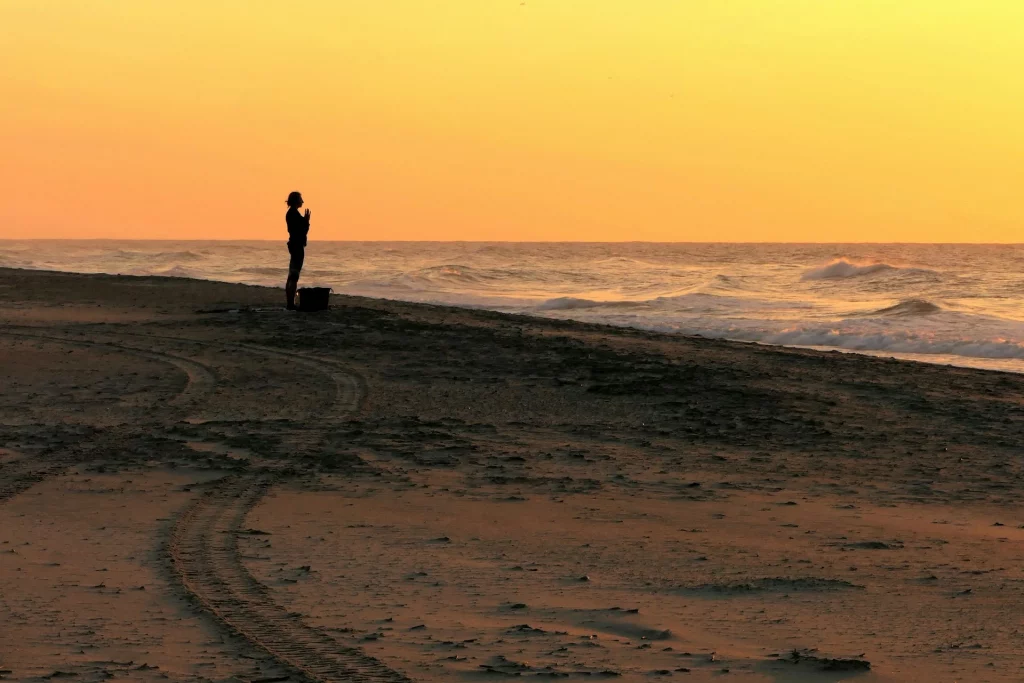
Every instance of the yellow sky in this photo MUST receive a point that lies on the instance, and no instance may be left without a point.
(690, 120)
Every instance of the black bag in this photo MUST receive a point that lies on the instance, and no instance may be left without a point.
(314, 298)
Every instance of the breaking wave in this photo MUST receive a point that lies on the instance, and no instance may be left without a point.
(448, 275)
(568, 303)
(891, 342)
(841, 269)
(909, 307)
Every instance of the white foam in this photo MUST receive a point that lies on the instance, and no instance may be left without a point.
(899, 342)
(874, 340)
(176, 271)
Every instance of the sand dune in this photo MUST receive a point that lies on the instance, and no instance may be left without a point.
(198, 485)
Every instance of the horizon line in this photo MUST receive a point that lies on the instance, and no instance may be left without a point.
(763, 242)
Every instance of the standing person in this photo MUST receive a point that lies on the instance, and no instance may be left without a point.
(298, 228)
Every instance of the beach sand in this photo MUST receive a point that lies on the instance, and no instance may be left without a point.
(196, 484)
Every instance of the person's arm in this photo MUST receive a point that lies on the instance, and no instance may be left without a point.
(306, 218)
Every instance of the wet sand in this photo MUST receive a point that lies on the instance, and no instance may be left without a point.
(198, 485)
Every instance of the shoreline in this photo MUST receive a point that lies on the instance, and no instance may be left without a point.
(416, 492)
(990, 364)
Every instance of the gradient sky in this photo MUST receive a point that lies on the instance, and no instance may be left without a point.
(675, 120)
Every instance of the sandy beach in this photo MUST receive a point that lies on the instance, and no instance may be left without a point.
(196, 484)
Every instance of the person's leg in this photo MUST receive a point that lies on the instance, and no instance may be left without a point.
(289, 288)
(294, 269)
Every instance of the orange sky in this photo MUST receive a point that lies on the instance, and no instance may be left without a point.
(689, 120)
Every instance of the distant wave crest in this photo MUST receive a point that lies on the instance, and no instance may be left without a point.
(841, 269)
(568, 303)
(451, 273)
(910, 307)
(161, 256)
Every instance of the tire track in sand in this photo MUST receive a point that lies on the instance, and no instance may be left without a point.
(24, 472)
(348, 384)
(203, 552)
(203, 549)
(200, 378)
(21, 474)
(203, 544)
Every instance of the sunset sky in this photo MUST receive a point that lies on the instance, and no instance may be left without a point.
(668, 120)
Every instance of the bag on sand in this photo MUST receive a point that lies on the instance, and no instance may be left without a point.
(314, 298)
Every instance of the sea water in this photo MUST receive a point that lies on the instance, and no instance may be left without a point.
(956, 304)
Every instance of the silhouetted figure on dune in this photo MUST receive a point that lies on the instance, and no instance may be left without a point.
(298, 228)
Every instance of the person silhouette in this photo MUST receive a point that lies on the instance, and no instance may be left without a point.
(298, 228)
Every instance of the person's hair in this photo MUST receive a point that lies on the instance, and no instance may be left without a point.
(294, 198)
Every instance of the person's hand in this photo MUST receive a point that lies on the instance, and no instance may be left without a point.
(307, 214)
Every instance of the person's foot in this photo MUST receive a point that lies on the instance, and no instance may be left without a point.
(291, 307)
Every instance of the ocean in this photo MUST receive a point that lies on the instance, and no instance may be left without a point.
(951, 304)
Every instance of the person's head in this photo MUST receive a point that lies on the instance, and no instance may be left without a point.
(295, 199)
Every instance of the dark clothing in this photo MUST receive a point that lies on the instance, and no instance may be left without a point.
(298, 255)
(298, 228)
